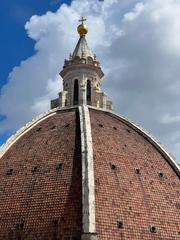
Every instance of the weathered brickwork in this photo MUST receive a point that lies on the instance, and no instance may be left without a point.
(137, 191)
(40, 182)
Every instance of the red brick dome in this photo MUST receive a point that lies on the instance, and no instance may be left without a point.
(43, 181)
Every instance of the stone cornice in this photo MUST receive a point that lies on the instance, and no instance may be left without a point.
(81, 66)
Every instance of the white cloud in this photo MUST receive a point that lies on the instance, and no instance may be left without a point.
(176, 149)
(131, 16)
(170, 119)
(138, 43)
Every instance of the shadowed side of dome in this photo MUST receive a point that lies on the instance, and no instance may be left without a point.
(40, 174)
(136, 187)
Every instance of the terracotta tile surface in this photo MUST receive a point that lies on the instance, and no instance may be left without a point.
(136, 189)
(137, 192)
(40, 198)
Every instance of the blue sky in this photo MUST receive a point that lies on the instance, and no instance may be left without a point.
(15, 44)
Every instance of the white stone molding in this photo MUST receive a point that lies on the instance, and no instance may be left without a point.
(148, 136)
(88, 187)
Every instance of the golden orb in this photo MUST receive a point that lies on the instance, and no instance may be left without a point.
(82, 30)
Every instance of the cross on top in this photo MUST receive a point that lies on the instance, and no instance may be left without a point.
(82, 20)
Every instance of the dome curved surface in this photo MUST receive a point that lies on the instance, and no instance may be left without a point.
(137, 190)
(40, 177)
(136, 182)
